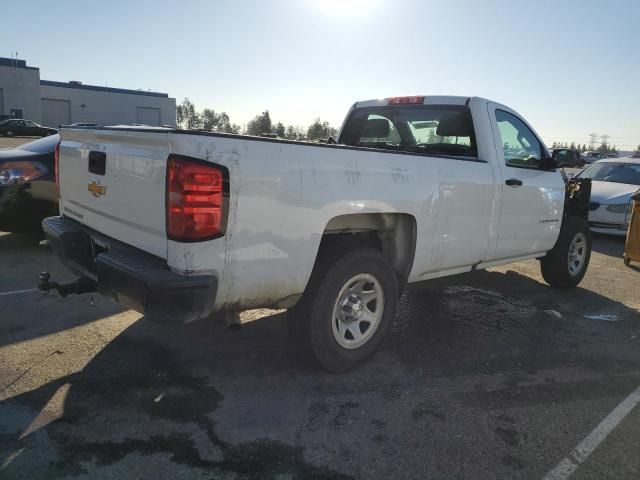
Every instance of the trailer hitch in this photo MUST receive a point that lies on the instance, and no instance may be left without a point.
(81, 285)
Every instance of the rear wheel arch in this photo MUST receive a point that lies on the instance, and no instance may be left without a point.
(346, 310)
(393, 234)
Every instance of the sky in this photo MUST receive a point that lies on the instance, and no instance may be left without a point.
(570, 67)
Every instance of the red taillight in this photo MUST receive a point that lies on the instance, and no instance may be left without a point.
(406, 100)
(195, 200)
(56, 168)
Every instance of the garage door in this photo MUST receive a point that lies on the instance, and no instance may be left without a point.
(148, 115)
(56, 112)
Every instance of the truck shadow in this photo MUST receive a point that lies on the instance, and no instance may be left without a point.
(503, 322)
(30, 314)
(608, 245)
(142, 379)
(16, 241)
(155, 389)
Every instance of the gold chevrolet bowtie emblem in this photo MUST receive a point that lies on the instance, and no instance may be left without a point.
(96, 189)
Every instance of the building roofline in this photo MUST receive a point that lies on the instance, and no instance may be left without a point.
(96, 88)
(15, 63)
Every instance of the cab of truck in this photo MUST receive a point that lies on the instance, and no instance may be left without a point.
(591, 156)
(568, 158)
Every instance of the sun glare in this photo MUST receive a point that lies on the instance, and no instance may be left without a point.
(346, 6)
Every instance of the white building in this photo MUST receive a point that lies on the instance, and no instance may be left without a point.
(24, 95)
(19, 90)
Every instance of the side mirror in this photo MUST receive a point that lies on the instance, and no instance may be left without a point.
(548, 163)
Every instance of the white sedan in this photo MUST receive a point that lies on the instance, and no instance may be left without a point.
(613, 181)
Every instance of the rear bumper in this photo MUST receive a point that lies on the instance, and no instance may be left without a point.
(130, 276)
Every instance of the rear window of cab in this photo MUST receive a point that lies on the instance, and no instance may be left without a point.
(422, 129)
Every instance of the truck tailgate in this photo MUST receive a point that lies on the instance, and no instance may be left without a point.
(114, 182)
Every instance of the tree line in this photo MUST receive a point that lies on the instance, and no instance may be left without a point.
(604, 147)
(188, 117)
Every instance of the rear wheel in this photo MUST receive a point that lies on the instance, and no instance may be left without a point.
(346, 310)
(8, 133)
(566, 264)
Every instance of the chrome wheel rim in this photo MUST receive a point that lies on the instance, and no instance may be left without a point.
(357, 312)
(577, 254)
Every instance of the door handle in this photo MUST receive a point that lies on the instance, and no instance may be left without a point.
(513, 182)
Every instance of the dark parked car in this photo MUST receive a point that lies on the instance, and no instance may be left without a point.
(568, 158)
(17, 127)
(28, 190)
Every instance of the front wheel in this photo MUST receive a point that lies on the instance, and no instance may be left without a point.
(346, 310)
(566, 265)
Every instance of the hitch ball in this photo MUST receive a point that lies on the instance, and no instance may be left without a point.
(44, 284)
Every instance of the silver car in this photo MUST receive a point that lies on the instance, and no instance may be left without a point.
(613, 181)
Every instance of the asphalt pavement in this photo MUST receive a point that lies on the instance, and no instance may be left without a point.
(484, 376)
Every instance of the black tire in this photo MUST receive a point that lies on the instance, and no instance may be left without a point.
(8, 133)
(311, 322)
(557, 269)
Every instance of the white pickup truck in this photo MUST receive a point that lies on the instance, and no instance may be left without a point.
(184, 224)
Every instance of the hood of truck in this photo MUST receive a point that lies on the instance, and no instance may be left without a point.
(127, 201)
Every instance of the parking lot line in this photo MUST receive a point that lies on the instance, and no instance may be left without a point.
(15, 292)
(579, 454)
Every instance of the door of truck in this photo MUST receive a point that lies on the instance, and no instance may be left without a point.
(532, 199)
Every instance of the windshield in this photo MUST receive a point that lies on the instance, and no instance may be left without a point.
(42, 145)
(441, 130)
(613, 172)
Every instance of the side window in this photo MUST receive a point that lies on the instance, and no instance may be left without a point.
(563, 157)
(521, 147)
(379, 130)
